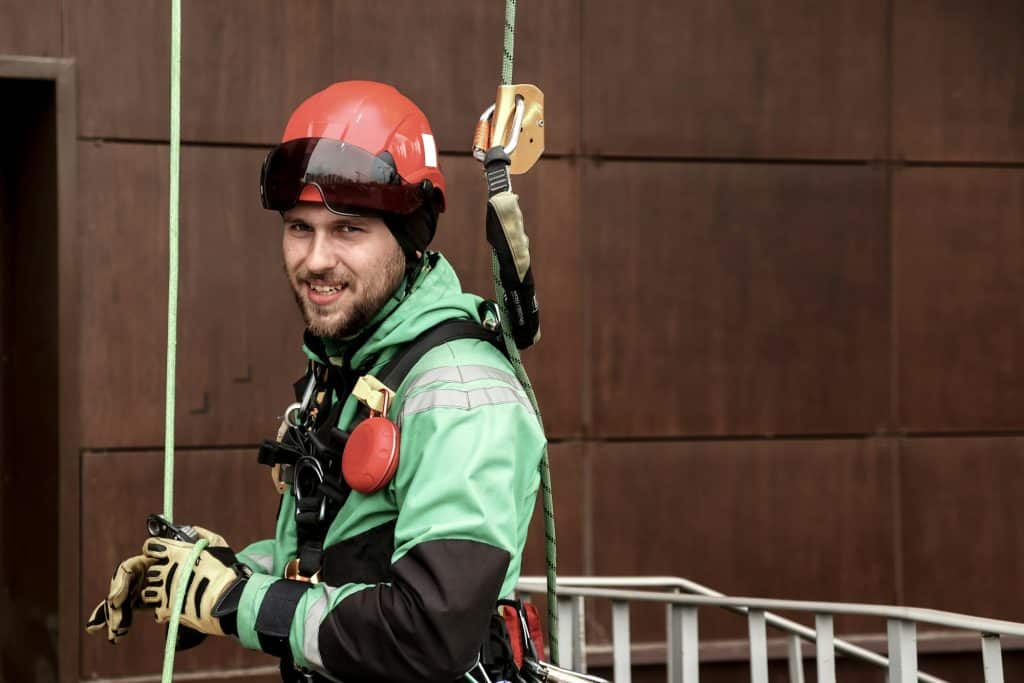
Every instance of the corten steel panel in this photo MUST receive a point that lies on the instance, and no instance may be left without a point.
(962, 539)
(239, 334)
(737, 299)
(788, 519)
(123, 219)
(447, 58)
(225, 491)
(549, 197)
(122, 53)
(30, 28)
(958, 80)
(958, 234)
(245, 66)
(752, 78)
(567, 485)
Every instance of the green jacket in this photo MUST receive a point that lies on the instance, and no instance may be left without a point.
(411, 573)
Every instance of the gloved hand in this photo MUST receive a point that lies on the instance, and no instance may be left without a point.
(114, 615)
(213, 590)
(214, 540)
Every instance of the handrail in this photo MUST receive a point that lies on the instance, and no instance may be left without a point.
(693, 587)
(924, 615)
(902, 624)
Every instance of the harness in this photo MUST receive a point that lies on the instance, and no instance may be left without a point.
(310, 452)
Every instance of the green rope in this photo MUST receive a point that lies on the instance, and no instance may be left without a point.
(172, 335)
(179, 604)
(550, 554)
(510, 42)
(172, 265)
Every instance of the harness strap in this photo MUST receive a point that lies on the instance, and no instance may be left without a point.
(315, 512)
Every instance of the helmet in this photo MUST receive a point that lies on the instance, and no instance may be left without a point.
(358, 146)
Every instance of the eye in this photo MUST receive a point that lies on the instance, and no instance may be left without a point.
(299, 227)
(347, 229)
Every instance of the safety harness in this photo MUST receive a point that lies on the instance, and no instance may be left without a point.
(310, 453)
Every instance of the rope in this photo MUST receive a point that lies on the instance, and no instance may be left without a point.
(179, 604)
(550, 554)
(172, 266)
(510, 42)
(172, 336)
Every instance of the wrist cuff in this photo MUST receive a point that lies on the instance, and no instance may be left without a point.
(274, 620)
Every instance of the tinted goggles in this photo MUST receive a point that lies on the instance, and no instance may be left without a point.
(349, 178)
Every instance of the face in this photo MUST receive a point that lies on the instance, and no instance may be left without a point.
(342, 269)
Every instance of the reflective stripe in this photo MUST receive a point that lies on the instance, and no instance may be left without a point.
(311, 631)
(265, 562)
(464, 400)
(462, 374)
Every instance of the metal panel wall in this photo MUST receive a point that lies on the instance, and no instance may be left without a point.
(730, 246)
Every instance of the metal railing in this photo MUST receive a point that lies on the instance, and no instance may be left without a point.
(682, 599)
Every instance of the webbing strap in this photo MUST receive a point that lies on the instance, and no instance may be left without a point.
(395, 372)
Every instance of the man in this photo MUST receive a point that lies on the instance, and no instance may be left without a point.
(396, 580)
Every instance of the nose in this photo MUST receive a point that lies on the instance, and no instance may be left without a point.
(321, 257)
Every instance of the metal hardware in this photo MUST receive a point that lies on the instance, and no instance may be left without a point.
(479, 139)
(902, 625)
(291, 571)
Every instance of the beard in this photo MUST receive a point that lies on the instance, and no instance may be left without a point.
(346, 317)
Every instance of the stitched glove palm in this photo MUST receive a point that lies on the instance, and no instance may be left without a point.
(212, 591)
(114, 615)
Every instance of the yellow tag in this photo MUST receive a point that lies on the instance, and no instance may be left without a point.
(371, 392)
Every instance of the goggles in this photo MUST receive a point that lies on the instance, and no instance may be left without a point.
(349, 178)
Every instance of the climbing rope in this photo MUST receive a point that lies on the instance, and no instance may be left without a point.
(172, 266)
(172, 338)
(507, 58)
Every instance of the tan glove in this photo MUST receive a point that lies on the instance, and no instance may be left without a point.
(214, 540)
(114, 615)
(217, 575)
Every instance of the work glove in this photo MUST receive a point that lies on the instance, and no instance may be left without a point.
(114, 615)
(213, 589)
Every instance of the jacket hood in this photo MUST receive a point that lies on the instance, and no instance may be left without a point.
(435, 296)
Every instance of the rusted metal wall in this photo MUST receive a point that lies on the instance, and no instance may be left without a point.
(779, 250)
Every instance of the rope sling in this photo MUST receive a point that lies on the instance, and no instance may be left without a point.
(167, 675)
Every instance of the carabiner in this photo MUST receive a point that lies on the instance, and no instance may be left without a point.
(483, 128)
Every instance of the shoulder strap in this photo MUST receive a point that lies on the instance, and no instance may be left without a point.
(395, 371)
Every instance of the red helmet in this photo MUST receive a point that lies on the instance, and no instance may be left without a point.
(355, 145)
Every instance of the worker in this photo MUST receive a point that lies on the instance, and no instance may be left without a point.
(404, 509)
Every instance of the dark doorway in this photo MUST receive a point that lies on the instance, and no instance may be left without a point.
(29, 445)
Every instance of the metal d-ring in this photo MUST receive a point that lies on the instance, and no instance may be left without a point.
(292, 415)
(295, 414)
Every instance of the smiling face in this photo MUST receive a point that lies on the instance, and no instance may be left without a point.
(342, 269)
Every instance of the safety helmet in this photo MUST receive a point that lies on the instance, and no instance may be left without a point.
(359, 146)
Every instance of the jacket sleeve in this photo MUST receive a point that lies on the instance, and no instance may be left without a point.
(466, 481)
(258, 556)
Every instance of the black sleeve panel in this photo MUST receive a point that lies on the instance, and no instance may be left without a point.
(427, 625)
